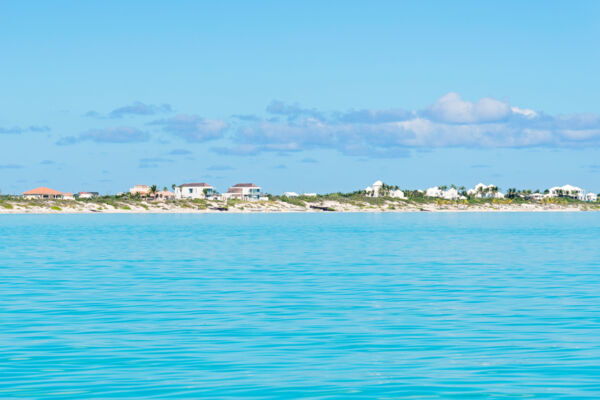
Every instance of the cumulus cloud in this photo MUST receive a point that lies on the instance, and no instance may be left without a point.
(136, 109)
(16, 130)
(449, 122)
(120, 134)
(193, 128)
(10, 166)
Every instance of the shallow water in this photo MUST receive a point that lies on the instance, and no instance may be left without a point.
(448, 306)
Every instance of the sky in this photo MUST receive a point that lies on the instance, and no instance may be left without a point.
(304, 96)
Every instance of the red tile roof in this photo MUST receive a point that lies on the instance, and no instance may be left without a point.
(43, 191)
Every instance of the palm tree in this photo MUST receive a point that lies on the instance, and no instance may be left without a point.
(153, 190)
(173, 186)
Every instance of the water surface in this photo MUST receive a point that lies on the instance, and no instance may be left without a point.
(441, 306)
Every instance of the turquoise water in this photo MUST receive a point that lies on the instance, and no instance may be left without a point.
(448, 306)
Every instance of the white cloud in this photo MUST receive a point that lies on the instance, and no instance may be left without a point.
(193, 128)
(452, 108)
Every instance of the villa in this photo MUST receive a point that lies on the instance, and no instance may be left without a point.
(142, 190)
(448, 194)
(68, 196)
(244, 191)
(378, 189)
(593, 197)
(481, 191)
(43, 193)
(87, 195)
(195, 191)
(165, 195)
(290, 194)
(566, 191)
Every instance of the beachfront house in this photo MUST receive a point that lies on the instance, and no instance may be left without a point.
(43, 193)
(481, 191)
(68, 196)
(573, 192)
(447, 194)
(379, 189)
(87, 195)
(195, 191)
(141, 190)
(244, 191)
(309, 194)
(591, 197)
(290, 194)
(165, 195)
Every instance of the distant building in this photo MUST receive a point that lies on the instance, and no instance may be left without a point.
(165, 195)
(591, 197)
(68, 196)
(448, 194)
(566, 191)
(481, 191)
(244, 191)
(378, 189)
(195, 191)
(87, 195)
(43, 193)
(309, 194)
(142, 190)
(290, 194)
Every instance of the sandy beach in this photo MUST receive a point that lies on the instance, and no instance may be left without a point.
(276, 206)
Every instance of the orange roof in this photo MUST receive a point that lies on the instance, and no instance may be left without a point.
(43, 190)
(68, 194)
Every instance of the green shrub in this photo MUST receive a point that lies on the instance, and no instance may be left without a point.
(56, 208)
(8, 206)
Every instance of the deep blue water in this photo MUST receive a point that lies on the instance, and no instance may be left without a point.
(448, 306)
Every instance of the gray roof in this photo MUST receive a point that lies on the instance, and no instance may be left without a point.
(245, 185)
(202, 184)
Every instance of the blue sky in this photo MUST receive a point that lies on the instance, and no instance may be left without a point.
(299, 96)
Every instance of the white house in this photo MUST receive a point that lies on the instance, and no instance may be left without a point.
(87, 195)
(194, 191)
(566, 191)
(309, 194)
(244, 191)
(448, 194)
(291, 194)
(397, 194)
(142, 190)
(375, 190)
(482, 191)
(68, 196)
(591, 197)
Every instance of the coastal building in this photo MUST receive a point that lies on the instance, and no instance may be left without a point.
(43, 193)
(481, 191)
(87, 195)
(448, 194)
(591, 197)
(309, 194)
(244, 191)
(290, 194)
(142, 190)
(195, 191)
(566, 191)
(68, 196)
(165, 195)
(379, 189)
(535, 196)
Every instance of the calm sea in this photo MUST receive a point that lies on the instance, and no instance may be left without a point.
(274, 306)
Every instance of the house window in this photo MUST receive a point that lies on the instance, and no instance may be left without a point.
(191, 190)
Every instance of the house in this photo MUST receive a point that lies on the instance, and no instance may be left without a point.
(195, 191)
(68, 196)
(43, 193)
(290, 194)
(566, 191)
(397, 194)
(379, 189)
(165, 195)
(309, 194)
(591, 197)
(375, 189)
(244, 191)
(142, 190)
(481, 191)
(448, 194)
(87, 195)
(534, 196)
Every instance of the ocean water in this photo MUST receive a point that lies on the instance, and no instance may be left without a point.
(321, 306)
